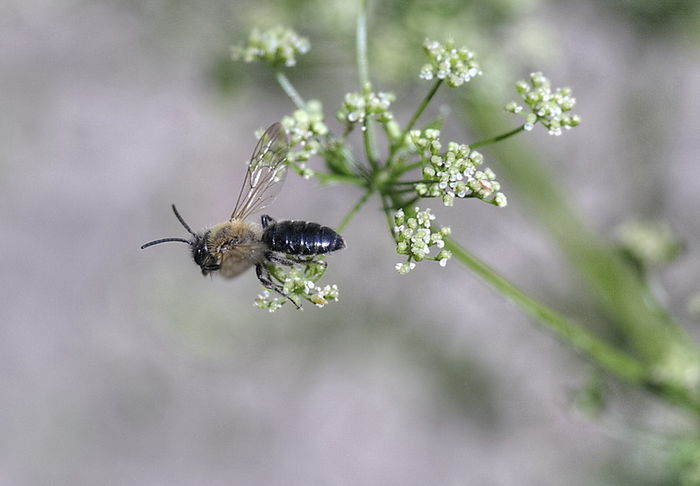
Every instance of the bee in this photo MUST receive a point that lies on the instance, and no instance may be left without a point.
(231, 247)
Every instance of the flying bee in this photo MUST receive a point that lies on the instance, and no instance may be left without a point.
(233, 246)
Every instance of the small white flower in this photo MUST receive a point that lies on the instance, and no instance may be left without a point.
(551, 109)
(417, 238)
(278, 45)
(298, 283)
(500, 200)
(359, 107)
(452, 174)
(455, 65)
(304, 128)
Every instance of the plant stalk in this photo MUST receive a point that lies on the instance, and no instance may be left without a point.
(353, 211)
(363, 72)
(497, 138)
(621, 364)
(419, 111)
(289, 89)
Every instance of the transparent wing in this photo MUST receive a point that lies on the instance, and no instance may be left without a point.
(265, 174)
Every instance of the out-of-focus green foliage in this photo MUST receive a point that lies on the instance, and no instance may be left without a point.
(653, 17)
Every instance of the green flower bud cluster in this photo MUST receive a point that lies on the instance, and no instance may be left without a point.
(359, 107)
(679, 366)
(455, 65)
(415, 238)
(298, 283)
(650, 243)
(551, 109)
(454, 173)
(278, 46)
(304, 127)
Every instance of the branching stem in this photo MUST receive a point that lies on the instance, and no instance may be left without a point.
(289, 89)
(353, 211)
(419, 111)
(497, 138)
(408, 168)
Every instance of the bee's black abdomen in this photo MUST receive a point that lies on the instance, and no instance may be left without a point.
(301, 238)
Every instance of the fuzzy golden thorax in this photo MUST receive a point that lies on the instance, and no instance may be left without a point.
(230, 247)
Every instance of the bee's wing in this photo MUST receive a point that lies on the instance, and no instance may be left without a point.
(265, 174)
(238, 258)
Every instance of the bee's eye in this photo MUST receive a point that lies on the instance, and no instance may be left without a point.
(199, 254)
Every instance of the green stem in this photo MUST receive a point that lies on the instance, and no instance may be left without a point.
(407, 168)
(370, 145)
(289, 89)
(365, 197)
(363, 72)
(362, 62)
(400, 192)
(408, 183)
(409, 203)
(581, 339)
(638, 318)
(419, 111)
(328, 178)
(621, 364)
(276, 272)
(386, 206)
(497, 138)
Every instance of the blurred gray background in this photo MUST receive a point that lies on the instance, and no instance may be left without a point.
(121, 366)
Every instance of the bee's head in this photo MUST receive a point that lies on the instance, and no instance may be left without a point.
(200, 252)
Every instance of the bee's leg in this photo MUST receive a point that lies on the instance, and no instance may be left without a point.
(276, 258)
(289, 260)
(264, 277)
(307, 260)
(266, 220)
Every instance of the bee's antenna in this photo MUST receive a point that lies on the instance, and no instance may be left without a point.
(182, 221)
(165, 240)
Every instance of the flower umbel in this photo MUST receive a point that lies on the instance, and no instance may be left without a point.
(415, 238)
(454, 172)
(278, 46)
(359, 107)
(455, 65)
(551, 109)
(298, 282)
(304, 128)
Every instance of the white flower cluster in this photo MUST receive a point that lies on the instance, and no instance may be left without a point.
(454, 173)
(455, 65)
(298, 283)
(268, 300)
(359, 107)
(551, 109)
(278, 46)
(415, 238)
(304, 128)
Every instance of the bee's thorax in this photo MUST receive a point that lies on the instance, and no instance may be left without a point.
(229, 234)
